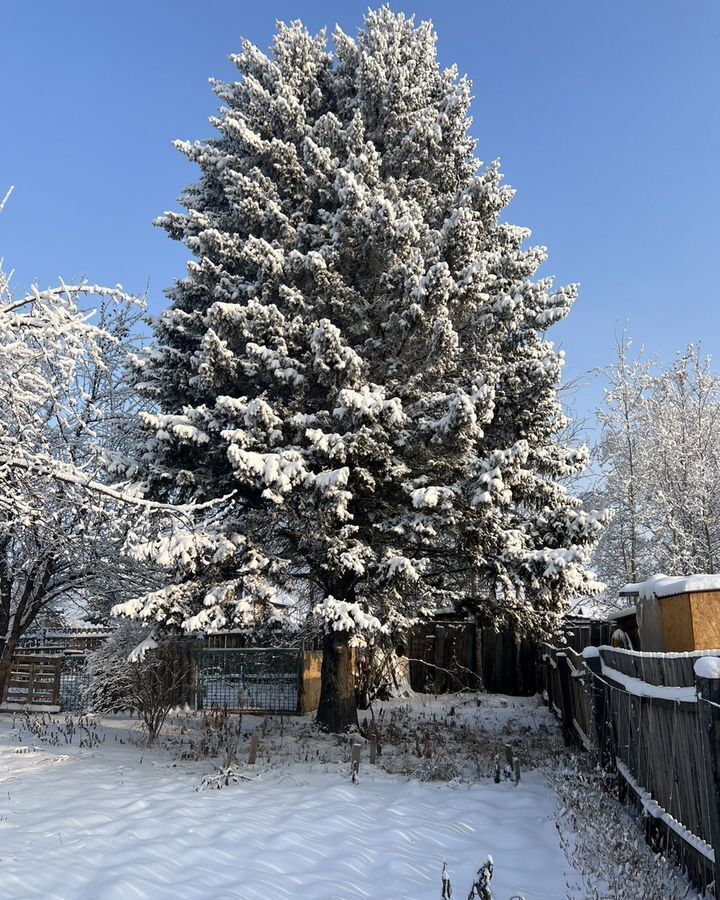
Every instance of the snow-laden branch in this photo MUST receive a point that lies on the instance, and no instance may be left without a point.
(70, 476)
(6, 197)
(63, 292)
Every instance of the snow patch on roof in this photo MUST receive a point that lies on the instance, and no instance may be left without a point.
(588, 611)
(621, 613)
(669, 586)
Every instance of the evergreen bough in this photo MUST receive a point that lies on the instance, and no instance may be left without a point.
(357, 356)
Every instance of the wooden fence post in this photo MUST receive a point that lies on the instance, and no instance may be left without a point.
(707, 680)
(355, 761)
(56, 684)
(566, 707)
(600, 711)
(548, 680)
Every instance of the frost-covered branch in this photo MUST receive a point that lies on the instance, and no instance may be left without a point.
(127, 497)
(660, 468)
(66, 453)
(359, 349)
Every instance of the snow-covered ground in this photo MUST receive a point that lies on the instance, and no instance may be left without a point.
(116, 820)
(101, 817)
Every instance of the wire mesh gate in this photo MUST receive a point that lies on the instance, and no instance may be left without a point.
(74, 684)
(257, 679)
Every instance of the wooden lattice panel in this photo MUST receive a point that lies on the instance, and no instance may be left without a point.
(34, 681)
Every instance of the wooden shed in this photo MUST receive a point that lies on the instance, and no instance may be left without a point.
(625, 619)
(677, 614)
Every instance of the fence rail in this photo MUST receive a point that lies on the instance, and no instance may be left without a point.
(657, 723)
(668, 669)
(34, 681)
(260, 680)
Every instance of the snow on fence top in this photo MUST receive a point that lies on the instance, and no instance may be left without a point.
(708, 667)
(670, 586)
(659, 669)
(654, 809)
(655, 654)
(641, 688)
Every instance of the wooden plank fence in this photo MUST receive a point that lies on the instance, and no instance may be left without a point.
(57, 682)
(649, 717)
(34, 681)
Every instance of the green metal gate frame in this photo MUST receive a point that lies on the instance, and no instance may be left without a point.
(256, 679)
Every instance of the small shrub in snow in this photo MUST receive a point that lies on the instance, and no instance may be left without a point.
(437, 769)
(108, 670)
(481, 887)
(446, 886)
(57, 731)
(606, 845)
(380, 673)
(220, 736)
(132, 671)
(223, 778)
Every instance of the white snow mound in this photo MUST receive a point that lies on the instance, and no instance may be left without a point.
(708, 667)
(670, 585)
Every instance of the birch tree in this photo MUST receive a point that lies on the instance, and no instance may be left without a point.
(66, 412)
(660, 468)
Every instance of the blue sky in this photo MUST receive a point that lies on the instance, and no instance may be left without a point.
(605, 117)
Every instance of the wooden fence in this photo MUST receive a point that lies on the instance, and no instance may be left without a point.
(654, 721)
(34, 681)
(451, 654)
(252, 679)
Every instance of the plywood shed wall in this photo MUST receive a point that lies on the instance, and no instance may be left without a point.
(692, 621)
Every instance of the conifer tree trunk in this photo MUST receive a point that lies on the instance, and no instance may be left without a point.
(338, 709)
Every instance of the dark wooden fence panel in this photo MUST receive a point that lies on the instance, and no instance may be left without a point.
(508, 664)
(652, 731)
(663, 669)
(581, 698)
(442, 656)
(449, 655)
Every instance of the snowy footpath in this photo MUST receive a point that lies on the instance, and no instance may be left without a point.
(116, 821)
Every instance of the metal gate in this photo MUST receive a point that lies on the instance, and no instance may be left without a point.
(257, 679)
(74, 684)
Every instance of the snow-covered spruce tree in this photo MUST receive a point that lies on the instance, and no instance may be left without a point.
(357, 354)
